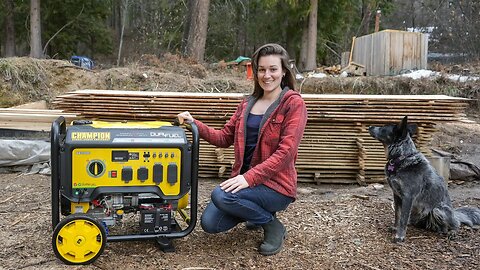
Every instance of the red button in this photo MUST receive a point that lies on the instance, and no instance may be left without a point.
(113, 174)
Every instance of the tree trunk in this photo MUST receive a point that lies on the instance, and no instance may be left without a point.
(241, 30)
(186, 26)
(9, 29)
(302, 60)
(311, 61)
(117, 18)
(197, 33)
(35, 30)
(367, 17)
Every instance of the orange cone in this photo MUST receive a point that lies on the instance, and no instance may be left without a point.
(249, 71)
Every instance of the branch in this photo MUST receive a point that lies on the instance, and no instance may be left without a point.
(332, 50)
(63, 27)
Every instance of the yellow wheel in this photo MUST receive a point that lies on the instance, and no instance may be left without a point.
(79, 239)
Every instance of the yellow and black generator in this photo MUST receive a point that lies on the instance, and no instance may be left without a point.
(108, 174)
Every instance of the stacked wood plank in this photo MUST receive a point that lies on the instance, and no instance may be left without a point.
(336, 147)
(31, 119)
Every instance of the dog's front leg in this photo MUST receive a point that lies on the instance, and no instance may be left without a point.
(404, 216)
(397, 207)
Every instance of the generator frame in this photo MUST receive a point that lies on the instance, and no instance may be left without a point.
(58, 136)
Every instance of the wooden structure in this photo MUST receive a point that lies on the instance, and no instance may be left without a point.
(336, 147)
(390, 52)
(354, 69)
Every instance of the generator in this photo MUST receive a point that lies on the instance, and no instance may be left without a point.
(121, 181)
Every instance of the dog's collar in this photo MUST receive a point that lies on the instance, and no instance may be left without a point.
(392, 164)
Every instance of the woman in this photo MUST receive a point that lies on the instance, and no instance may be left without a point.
(265, 130)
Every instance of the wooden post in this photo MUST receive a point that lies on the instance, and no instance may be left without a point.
(377, 20)
(351, 51)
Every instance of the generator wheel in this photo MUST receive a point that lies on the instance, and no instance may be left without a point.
(79, 239)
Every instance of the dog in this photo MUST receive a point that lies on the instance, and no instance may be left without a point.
(420, 194)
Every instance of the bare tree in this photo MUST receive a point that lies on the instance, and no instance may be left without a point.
(458, 31)
(125, 4)
(311, 60)
(453, 26)
(9, 29)
(35, 30)
(61, 28)
(197, 33)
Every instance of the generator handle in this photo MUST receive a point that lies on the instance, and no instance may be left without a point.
(192, 127)
(58, 129)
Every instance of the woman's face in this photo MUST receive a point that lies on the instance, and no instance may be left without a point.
(270, 72)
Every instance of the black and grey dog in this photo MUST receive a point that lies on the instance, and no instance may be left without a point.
(420, 194)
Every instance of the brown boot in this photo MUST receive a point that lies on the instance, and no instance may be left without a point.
(274, 236)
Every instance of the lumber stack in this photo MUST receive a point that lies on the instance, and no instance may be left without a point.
(31, 119)
(336, 147)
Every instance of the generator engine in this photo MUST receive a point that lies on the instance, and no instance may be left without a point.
(103, 172)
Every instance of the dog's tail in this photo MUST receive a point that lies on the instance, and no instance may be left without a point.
(469, 216)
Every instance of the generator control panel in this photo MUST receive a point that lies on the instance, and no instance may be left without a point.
(95, 167)
(122, 158)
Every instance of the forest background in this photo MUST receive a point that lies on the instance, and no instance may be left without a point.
(116, 32)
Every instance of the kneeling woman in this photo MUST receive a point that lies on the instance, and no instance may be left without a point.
(265, 130)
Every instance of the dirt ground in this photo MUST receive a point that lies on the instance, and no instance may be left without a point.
(329, 227)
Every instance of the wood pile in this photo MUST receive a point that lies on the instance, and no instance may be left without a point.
(31, 119)
(336, 147)
(331, 70)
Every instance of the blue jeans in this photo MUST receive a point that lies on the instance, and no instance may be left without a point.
(257, 205)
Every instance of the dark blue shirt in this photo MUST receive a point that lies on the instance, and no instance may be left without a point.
(253, 124)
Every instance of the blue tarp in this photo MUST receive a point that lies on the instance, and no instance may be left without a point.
(82, 61)
(241, 59)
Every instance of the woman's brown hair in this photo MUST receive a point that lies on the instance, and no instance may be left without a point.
(272, 49)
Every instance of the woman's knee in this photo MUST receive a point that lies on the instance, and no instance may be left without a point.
(210, 219)
(221, 198)
(208, 224)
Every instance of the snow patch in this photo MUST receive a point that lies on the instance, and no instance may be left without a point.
(423, 73)
(317, 75)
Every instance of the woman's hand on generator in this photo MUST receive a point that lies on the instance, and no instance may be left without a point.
(185, 116)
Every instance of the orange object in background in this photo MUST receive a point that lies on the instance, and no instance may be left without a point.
(249, 71)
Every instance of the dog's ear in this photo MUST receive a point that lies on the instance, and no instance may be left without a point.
(412, 129)
(403, 127)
